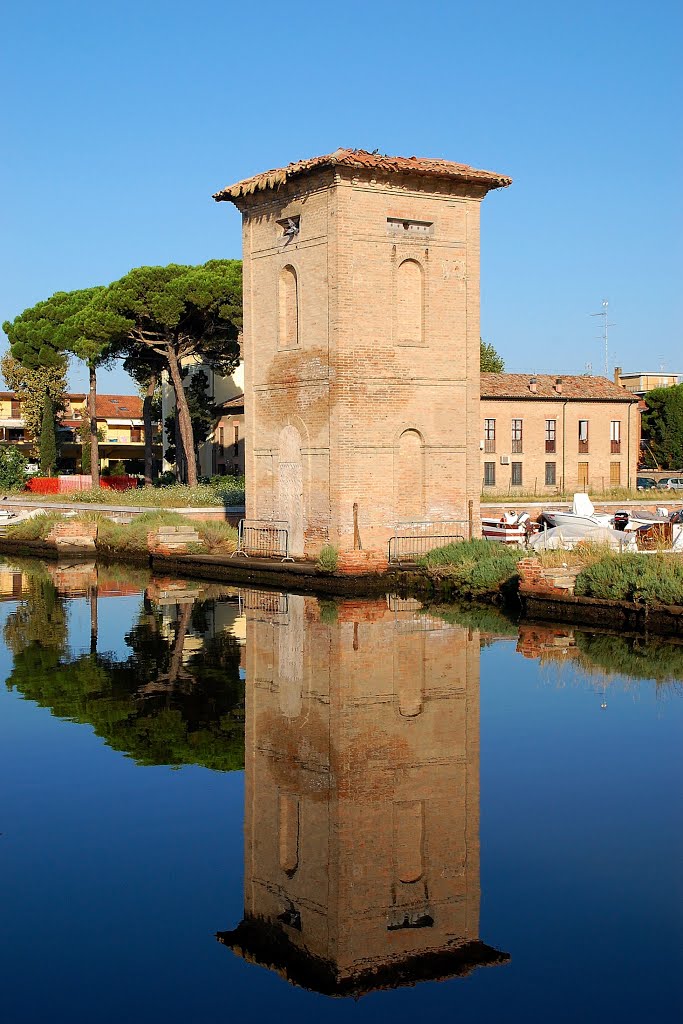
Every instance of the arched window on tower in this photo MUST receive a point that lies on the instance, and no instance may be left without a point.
(288, 302)
(410, 303)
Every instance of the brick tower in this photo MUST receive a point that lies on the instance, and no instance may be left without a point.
(361, 346)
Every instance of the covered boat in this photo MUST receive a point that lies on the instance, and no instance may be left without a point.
(570, 534)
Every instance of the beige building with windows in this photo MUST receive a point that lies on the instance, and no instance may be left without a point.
(119, 423)
(223, 453)
(361, 346)
(545, 433)
(640, 383)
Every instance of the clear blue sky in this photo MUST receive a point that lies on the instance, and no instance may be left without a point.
(120, 120)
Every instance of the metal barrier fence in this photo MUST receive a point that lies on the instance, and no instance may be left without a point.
(413, 540)
(272, 605)
(263, 538)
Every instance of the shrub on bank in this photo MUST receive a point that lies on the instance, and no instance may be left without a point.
(328, 559)
(645, 578)
(215, 537)
(36, 528)
(473, 567)
(225, 491)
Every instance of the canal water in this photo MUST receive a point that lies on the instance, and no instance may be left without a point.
(219, 803)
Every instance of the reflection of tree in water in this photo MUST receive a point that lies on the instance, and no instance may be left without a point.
(155, 705)
(636, 658)
(39, 620)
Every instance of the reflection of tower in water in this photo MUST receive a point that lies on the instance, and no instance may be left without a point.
(362, 795)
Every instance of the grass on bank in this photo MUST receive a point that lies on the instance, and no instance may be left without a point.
(477, 567)
(473, 567)
(608, 494)
(646, 578)
(223, 491)
(217, 538)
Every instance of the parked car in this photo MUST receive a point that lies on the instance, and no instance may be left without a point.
(674, 483)
(645, 483)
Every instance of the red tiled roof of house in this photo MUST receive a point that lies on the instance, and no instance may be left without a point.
(233, 404)
(360, 159)
(122, 407)
(119, 407)
(574, 388)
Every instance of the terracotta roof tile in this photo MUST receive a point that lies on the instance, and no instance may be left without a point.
(123, 407)
(234, 403)
(360, 159)
(516, 385)
(119, 407)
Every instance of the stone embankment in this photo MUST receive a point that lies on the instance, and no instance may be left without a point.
(548, 594)
(544, 593)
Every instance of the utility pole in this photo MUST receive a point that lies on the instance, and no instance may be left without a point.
(603, 336)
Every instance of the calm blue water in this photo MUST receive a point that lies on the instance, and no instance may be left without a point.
(397, 764)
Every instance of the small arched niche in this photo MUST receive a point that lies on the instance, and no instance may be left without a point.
(288, 308)
(408, 841)
(409, 476)
(410, 287)
(288, 832)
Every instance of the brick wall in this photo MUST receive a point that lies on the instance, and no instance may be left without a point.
(374, 399)
(537, 579)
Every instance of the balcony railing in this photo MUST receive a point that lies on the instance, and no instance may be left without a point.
(615, 447)
(517, 446)
(490, 444)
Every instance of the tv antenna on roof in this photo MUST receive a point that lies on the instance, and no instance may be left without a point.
(603, 336)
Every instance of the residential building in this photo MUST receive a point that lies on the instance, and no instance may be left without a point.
(642, 382)
(223, 452)
(545, 433)
(119, 422)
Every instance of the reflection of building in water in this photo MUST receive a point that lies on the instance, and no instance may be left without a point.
(362, 795)
(176, 599)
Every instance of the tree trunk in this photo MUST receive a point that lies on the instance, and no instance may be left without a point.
(177, 651)
(147, 426)
(92, 413)
(184, 420)
(94, 589)
(179, 451)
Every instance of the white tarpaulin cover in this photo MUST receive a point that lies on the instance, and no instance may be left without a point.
(565, 537)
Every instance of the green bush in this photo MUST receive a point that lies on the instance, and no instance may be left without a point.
(12, 468)
(36, 528)
(645, 578)
(328, 559)
(473, 567)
